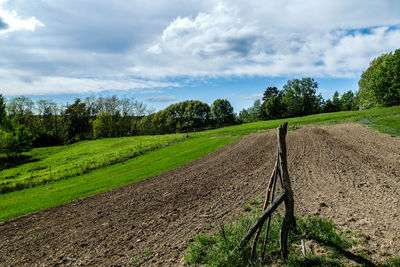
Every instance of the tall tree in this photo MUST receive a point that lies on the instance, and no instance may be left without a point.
(77, 121)
(365, 98)
(255, 111)
(347, 100)
(385, 80)
(103, 125)
(272, 103)
(22, 107)
(299, 97)
(222, 112)
(15, 138)
(3, 113)
(244, 116)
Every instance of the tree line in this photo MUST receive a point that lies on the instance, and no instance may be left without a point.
(297, 98)
(24, 124)
(379, 86)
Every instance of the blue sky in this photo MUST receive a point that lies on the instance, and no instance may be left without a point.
(162, 52)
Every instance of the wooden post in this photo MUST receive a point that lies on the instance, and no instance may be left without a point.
(286, 196)
(289, 219)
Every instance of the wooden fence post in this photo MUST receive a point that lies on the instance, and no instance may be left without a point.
(271, 205)
(289, 219)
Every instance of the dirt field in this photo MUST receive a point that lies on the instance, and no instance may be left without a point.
(345, 172)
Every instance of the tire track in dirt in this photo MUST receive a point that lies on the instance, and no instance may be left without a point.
(344, 172)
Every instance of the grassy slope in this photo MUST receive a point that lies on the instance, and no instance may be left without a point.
(62, 162)
(49, 195)
(155, 162)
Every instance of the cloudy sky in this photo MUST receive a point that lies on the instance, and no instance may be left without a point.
(162, 52)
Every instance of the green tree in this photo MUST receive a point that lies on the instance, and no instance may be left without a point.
(336, 102)
(47, 111)
(274, 107)
(3, 113)
(272, 103)
(244, 116)
(77, 121)
(364, 98)
(347, 101)
(102, 125)
(197, 114)
(15, 138)
(185, 116)
(22, 107)
(378, 84)
(385, 80)
(255, 111)
(270, 92)
(299, 97)
(222, 112)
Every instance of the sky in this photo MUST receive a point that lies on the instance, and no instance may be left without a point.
(163, 52)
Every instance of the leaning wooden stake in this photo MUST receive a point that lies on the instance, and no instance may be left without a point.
(266, 203)
(289, 219)
(260, 221)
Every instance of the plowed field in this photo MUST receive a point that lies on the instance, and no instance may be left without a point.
(344, 172)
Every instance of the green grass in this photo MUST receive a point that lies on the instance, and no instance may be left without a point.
(330, 247)
(53, 194)
(90, 167)
(57, 163)
(387, 117)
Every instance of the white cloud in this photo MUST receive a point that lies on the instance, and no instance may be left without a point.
(157, 41)
(15, 23)
(318, 38)
(161, 99)
(21, 84)
(252, 97)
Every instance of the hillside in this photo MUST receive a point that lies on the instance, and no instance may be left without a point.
(57, 175)
(344, 172)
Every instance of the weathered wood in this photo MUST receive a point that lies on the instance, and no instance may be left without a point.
(303, 248)
(260, 221)
(289, 219)
(277, 173)
(266, 202)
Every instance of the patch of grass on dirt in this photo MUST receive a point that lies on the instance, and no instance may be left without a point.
(326, 246)
(388, 124)
(137, 259)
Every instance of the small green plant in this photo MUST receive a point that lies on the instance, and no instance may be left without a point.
(138, 258)
(247, 208)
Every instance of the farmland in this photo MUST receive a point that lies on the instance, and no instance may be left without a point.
(84, 169)
(343, 164)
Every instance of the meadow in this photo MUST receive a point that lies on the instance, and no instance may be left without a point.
(49, 164)
(56, 175)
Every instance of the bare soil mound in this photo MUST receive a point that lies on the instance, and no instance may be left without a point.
(345, 172)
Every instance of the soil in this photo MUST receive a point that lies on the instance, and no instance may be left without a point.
(344, 172)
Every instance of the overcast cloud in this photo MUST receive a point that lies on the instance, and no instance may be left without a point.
(69, 46)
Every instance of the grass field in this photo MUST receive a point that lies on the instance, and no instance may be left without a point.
(44, 165)
(62, 174)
